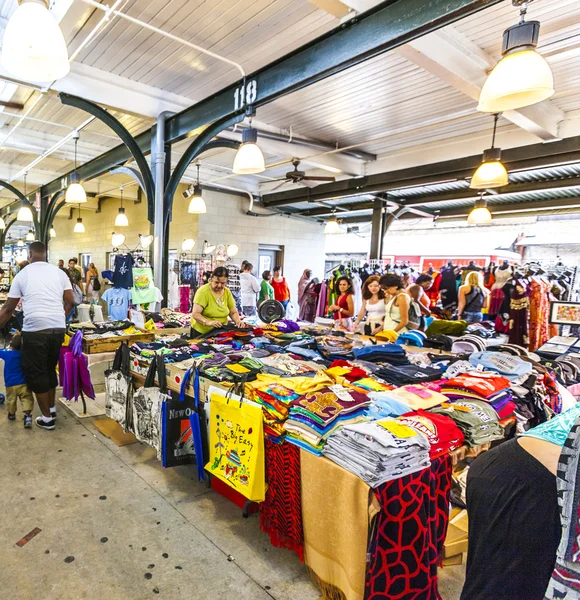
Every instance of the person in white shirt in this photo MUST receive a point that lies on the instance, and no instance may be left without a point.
(249, 288)
(47, 300)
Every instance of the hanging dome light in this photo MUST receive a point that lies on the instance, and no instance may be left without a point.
(24, 213)
(75, 193)
(79, 227)
(249, 158)
(2, 223)
(232, 250)
(491, 173)
(52, 232)
(197, 203)
(121, 220)
(20, 243)
(480, 214)
(117, 239)
(332, 227)
(522, 77)
(34, 47)
(30, 236)
(146, 240)
(188, 245)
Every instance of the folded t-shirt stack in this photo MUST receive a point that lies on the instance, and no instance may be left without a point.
(468, 343)
(382, 353)
(316, 415)
(439, 341)
(384, 405)
(403, 374)
(275, 400)
(511, 367)
(416, 396)
(379, 451)
(441, 431)
(477, 419)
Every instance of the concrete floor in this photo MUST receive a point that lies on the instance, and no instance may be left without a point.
(117, 526)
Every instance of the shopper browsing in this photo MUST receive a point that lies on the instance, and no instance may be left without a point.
(266, 290)
(92, 282)
(47, 300)
(213, 304)
(343, 309)
(473, 298)
(249, 288)
(373, 307)
(398, 302)
(281, 290)
(16, 383)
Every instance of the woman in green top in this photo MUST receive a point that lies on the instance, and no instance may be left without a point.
(213, 303)
(266, 290)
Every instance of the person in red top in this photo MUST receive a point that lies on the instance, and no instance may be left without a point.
(343, 310)
(281, 290)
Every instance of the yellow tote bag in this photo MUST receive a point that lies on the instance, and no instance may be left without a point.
(236, 440)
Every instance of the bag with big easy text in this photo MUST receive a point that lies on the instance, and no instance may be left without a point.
(236, 445)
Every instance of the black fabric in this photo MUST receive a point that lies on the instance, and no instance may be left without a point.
(439, 341)
(40, 354)
(514, 526)
(123, 274)
(406, 374)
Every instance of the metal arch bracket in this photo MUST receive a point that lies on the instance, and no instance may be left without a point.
(26, 201)
(129, 141)
(47, 217)
(133, 173)
(201, 143)
(54, 208)
(5, 232)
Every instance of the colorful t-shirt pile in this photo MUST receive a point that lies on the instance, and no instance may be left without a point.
(379, 451)
(476, 418)
(486, 386)
(316, 415)
(275, 400)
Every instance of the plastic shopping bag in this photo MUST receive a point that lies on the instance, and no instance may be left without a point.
(236, 445)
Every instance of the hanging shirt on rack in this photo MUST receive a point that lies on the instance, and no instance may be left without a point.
(117, 300)
(123, 275)
(143, 289)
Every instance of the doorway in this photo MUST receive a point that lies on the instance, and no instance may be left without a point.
(269, 257)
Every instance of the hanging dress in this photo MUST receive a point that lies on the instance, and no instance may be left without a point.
(519, 306)
(448, 288)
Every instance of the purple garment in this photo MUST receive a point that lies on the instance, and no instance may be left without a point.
(286, 326)
(321, 308)
(74, 372)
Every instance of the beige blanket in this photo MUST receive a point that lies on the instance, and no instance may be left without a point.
(337, 508)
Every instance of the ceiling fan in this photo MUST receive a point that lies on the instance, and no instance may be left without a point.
(297, 176)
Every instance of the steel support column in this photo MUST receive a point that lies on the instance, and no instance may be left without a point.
(21, 199)
(377, 229)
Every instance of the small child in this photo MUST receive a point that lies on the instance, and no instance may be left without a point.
(15, 383)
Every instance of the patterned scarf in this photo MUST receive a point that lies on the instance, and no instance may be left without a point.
(281, 512)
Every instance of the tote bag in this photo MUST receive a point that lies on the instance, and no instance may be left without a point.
(119, 389)
(236, 445)
(147, 406)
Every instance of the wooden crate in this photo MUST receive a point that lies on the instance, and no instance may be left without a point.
(111, 344)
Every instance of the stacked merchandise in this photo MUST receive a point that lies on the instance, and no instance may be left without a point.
(316, 415)
(275, 400)
(379, 451)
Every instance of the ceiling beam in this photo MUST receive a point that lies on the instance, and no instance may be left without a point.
(462, 64)
(381, 29)
(525, 157)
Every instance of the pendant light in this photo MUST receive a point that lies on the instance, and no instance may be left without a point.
(332, 227)
(232, 250)
(249, 158)
(197, 203)
(20, 243)
(121, 220)
(30, 236)
(52, 232)
(34, 47)
(2, 223)
(480, 214)
(522, 77)
(24, 213)
(117, 239)
(79, 227)
(491, 173)
(75, 193)
(188, 245)
(146, 240)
